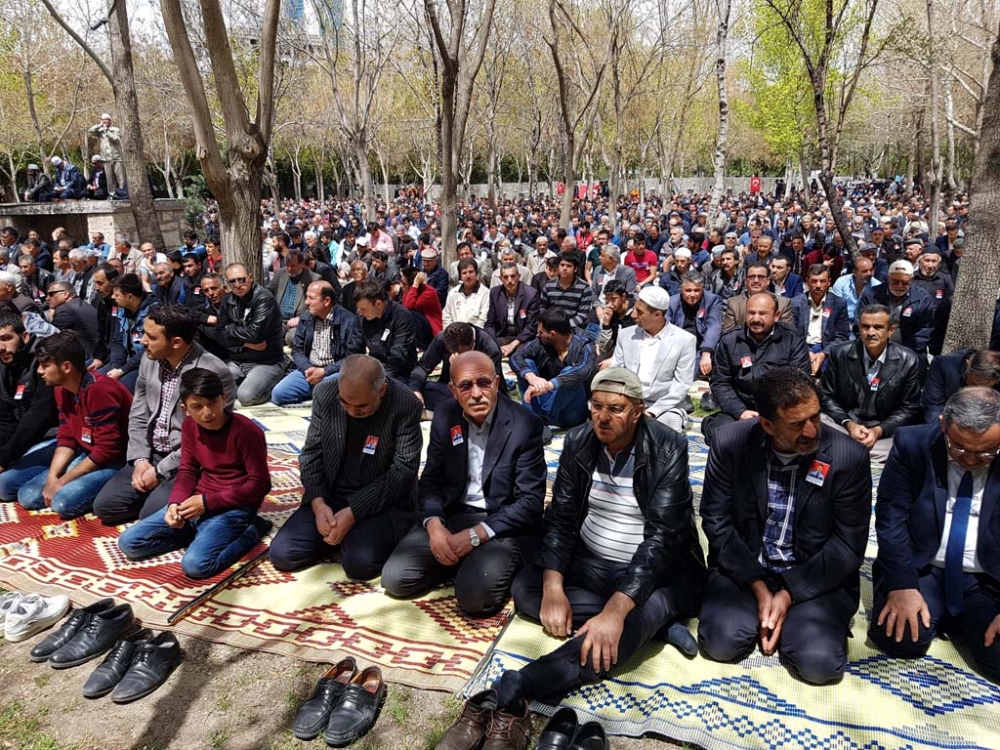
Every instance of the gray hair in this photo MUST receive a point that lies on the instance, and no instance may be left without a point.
(693, 277)
(612, 251)
(309, 236)
(6, 277)
(78, 253)
(975, 409)
(571, 239)
(362, 369)
(121, 239)
(985, 365)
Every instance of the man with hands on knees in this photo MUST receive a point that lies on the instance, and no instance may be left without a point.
(938, 564)
(620, 560)
(785, 508)
(481, 494)
(359, 472)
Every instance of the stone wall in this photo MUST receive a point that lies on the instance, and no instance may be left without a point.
(82, 218)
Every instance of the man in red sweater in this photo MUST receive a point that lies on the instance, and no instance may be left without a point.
(93, 430)
(220, 485)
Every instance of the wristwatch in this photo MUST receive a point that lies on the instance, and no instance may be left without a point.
(473, 538)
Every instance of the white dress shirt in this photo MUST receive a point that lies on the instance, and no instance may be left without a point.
(970, 561)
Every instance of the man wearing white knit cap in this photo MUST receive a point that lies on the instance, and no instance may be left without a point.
(662, 355)
(111, 150)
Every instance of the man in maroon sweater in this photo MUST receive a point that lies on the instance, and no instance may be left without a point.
(220, 485)
(93, 430)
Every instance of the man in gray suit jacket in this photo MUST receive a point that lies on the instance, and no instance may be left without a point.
(289, 287)
(359, 472)
(143, 486)
(662, 355)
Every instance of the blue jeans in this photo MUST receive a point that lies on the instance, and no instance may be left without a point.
(561, 407)
(30, 465)
(214, 542)
(294, 388)
(74, 499)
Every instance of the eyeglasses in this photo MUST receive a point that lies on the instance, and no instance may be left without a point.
(54, 292)
(237, 282)
(615, 410)
(985, 456)
(483, 384)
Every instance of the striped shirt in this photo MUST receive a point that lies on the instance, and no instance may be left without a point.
(613, 528)
(576, 300)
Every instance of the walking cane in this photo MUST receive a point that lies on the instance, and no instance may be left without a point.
(206, 595)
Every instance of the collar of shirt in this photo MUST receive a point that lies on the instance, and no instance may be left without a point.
(868, 359)
(816, 307)
(659, 336)
(614, 465)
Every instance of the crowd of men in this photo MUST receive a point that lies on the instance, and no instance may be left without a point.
(819, 363)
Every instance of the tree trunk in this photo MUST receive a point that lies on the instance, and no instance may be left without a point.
(239, 227)
(449, 173)
(147, 223)
(949, 110)
(722, 139)
(912, 153)
(364, 175)
(972, 310)
(320, 183)
(934, 188)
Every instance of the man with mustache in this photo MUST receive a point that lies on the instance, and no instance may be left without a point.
(785, 508)
(871, 387)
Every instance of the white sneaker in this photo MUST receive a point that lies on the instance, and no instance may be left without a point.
(34, 614)
(7, 603)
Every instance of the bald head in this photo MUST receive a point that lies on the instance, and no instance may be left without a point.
(474, 384)
(466, 360)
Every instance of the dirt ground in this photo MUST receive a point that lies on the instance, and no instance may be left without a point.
(221, 698)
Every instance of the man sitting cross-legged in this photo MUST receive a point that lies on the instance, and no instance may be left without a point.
(480, 497)
(359, 472)
(93, 424)
(620, 560)
(220, 485)
(154, 426)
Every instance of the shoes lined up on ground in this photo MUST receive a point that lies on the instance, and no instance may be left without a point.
(564, 732)
(484, 726)
(135, 667)
(98, 632)
(24, 615)
(344, 705)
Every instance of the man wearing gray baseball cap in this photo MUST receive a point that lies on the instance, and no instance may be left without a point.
(620, 561)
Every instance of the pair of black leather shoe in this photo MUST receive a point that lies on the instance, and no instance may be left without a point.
(86, 634)
(135, 667)
(563, 732)
(344, 705)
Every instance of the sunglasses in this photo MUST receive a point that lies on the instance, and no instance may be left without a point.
(466, 386)
(237, 282)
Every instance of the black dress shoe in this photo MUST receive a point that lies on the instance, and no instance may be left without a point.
(358, 709)
(68, 630)
(559, 731)
(152, 664)
(110, 671)
(314, 714)
(708, 402)
(590, 737)
(99, 633)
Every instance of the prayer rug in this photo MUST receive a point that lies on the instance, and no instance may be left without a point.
(881, 704)
(316, 614)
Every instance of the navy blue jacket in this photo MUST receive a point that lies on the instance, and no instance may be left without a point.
(916, 319)
(513, 468)
(836, 324)
(945, 375)
(708, 320)
(910, 509)
(341, 329)
(793, 287)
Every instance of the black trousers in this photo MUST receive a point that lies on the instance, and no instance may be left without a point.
(119, 502)
(713, 422)
(363, 551)
(482, 578)
(589, 583)
(979, 607)
(813, 638)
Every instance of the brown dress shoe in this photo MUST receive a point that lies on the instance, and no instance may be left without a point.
(470, 727)
(508, 731)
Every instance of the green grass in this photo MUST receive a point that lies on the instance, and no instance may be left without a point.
(398, 706)
(23, 730)
(218, 740)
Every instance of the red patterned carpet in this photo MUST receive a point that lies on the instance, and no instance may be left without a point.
(315, 614)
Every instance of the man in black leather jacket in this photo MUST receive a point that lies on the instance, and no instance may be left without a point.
(871, 387)
(620, 561)
(249, 326)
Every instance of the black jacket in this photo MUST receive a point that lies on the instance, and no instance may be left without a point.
(389, 339)
(891, 403)
(831, 521)
(740, 362)
(251, 319)
(916, 316)
(80, 318)
(945, 375)
(670, 552)
(526, 311)
(436, 354)
(25, 415)
(107, 327)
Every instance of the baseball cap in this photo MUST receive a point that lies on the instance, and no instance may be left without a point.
(618, 380)
(902, 266)
(655, 296)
